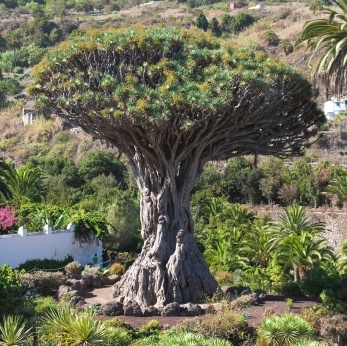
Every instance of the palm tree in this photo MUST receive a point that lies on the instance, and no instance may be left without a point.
(294, 221)
(342, 261)
(225, 249)
(302, 251)
(22, 185)
(327, 40)
(256, 244)
(13, 331)
(4, 170)
(296, 240)
(338, 185)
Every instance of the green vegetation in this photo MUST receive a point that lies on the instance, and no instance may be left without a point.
(70, 178)
(9, 288)
(13, 331)
(327, 36)
(283, 330)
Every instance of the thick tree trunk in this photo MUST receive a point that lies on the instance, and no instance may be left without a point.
(170, 267)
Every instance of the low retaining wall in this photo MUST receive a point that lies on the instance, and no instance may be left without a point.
(18, 248)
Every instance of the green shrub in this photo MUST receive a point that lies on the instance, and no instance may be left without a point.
(18, 70)
(283, 330)
(73, 270)
(43, 283)
(45, 264)
(318, 280)
(89, 225)
(183, 338)
(271, 38)
(241, 22)
(187, 339)
(118, 336)
(36, 215)
(43, 304)
(152, 327)
(309, 342)
(313, 314)
(117, 268)
(226, 324)
(90, 272)
(119, 324)
(224, 278)
(10, 287)
(13, 331)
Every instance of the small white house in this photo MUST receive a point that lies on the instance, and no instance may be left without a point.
(334, 107)
(257, 7)
(28, 115)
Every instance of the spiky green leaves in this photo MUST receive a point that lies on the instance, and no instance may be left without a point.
(147, 74)
(284, 330)
(327, 40)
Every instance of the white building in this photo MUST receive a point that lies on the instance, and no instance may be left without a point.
(334, 107)
(257, 7)
(18, 248)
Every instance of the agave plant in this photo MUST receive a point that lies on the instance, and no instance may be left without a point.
(55, 325)
(13, 331)
(67, 327)
(284, 330)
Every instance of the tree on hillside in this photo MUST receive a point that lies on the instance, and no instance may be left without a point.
(171, 100)
(338, 185)
(202, 22)
(327, 41)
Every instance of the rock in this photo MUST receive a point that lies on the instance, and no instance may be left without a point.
(207, 308)
(111, 279)
(77, 301)
(190, 309)
(132, 308)
(166, 326)
(81, 303)
(228, 292)
(64, 291)
(150, 311)
(172, 309)
(334, 329)
(245, 291)
(78, 285)
(245, 301)
(97, 281)
(93, 281)
(112, 309)
(262, 296)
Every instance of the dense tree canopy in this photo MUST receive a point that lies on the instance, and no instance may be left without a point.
(171, 100)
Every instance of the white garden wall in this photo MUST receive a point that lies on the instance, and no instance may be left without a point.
(18, 248)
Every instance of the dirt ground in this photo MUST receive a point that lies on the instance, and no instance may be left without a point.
(254, 314)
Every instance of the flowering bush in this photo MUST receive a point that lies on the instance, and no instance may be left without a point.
(7, 219)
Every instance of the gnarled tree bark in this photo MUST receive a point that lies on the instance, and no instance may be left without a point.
(170, 267)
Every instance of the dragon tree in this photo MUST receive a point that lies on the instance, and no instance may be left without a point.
(171, 100)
